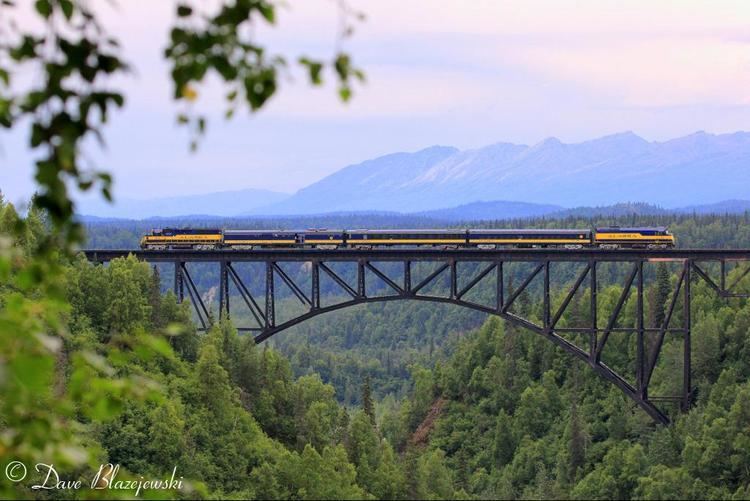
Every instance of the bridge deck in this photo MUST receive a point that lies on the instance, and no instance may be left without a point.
(417, 254)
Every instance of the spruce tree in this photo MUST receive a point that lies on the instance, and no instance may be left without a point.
(155, 299)
(663, 290)
(367, 404)
(577, 444)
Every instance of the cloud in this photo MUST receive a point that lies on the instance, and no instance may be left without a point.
(655, 73)
(390, 91)
(553, 17)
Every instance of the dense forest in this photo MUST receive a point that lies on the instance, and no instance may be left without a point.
(390, 401)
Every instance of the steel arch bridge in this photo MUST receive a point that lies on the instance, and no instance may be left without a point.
(489, 265)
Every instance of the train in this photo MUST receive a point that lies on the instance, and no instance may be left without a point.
(613, 237)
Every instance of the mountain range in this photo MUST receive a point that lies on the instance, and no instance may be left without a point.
(502, 179)
(697, 169)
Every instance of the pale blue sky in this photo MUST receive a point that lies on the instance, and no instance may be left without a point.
(465, 74)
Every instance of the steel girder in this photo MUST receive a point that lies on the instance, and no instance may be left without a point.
(646, 353)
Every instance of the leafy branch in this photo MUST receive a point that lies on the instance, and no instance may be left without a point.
(224, 44)
(67, 103)
(74, 58)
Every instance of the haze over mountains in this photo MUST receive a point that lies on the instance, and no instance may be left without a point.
(697, 169)
(224, 203)
(690, 172)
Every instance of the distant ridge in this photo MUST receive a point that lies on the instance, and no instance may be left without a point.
(478, 211)
(492, 211)
(616, 210)
(697, 169)
(725, 207)
(502, 180)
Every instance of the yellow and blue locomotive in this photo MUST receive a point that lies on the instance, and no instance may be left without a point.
(183, 238)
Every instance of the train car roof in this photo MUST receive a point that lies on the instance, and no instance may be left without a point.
(192, 230)
(236, 232)
(284, 231)
(544, 231)
(399, 230)
(631, 228)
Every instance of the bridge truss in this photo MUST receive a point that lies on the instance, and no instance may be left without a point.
(370, 281)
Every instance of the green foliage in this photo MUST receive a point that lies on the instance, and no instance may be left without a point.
(310, 475)
(132, 383)
(66, 105)
(367, 404)
(520, 423)
(317, 415)
(75, 57)
(437, 477)
(224, 43)
(659, 295)
(56, 382)
(204, 423)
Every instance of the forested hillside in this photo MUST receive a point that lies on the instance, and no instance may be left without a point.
(141, 388)
(391, 401)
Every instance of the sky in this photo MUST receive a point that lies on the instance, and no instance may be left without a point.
(464, 74)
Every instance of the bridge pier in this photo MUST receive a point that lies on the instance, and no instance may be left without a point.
(407, 277)
(640, 326)
(499, 287)
(594, 308)
(361, 288)
(546, 316)
(223, 289)
(178, 287)
(687, 384)
(315, 293)
(270, 306)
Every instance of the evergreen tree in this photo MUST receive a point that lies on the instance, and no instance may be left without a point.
(575, 432)
(155, 299)
(416, 482)
(389, 479)
(504, 444)
(9, 220)
(661, 295)
(576, 443)
(438, 478)
(367, 404)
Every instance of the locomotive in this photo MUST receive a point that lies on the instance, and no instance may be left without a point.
(613, 237)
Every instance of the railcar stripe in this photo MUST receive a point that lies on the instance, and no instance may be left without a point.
(632, 236)
(528, 241)
(244, 242)
(402, 241)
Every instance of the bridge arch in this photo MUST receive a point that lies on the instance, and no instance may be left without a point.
(599, 368)
(488, 261)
